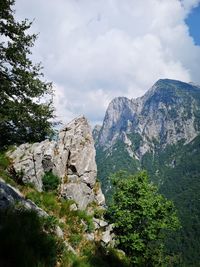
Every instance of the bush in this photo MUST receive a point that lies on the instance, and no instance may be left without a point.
(142, 217)
(82, 214)
(50, 181)
(4, 161)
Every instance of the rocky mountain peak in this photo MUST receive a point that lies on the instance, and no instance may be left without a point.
(168, 112)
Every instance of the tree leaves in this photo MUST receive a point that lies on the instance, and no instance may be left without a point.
(141, 216)
(26, 107)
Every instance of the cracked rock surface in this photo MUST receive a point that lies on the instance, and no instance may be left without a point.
(71, 157)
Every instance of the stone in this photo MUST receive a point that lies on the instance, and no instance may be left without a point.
(98, 223)
(9, 196)
(79, 192)
(99, 197)
(90, 236)
(108, 236)
(73, 207)
(69, 247)
(59, 232)
(71, 158)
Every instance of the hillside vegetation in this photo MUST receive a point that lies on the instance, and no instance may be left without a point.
(159, 132)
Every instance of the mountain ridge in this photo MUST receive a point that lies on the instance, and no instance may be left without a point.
(139, 115)
(159, 132)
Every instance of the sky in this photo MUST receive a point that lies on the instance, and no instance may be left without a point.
(95, 50)
(193, 21)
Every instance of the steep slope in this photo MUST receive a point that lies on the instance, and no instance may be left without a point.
(159, 132)
(65, 221)
(168, 112)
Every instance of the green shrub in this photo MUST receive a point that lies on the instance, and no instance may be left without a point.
(50, 202)
(82, 214)
(99, 213)
(68, 259)
(50, 181)
(4, 161)
(107, 257)
(65, 207)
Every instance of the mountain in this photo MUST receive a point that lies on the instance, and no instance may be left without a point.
(168, 112)
(159, 132)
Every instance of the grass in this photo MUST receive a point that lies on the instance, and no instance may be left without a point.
(88, 219)
(50, 182)
(4, 161)
(45, 200)
(4, 164)
(30, 241)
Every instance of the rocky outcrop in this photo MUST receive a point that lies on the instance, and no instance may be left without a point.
(10, 196)
(71, 158)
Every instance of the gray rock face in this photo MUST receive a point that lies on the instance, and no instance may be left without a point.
(167, 113)
(108, 236)
(10, 196)
(72, 158)
(95, 132)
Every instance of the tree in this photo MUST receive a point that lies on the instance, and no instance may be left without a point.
(26, 106)
(141, 218)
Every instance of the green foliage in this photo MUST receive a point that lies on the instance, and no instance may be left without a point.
(21, 85)
(24, 243)
(4, 161)
(135, 139)
(45, 200)
(50, 181)
(75, 239)
(95, 256)
(82, 214)
(141, 217)
(65, 207)
(109, 163)
(107, 257)
(177, 171)
(67, 259)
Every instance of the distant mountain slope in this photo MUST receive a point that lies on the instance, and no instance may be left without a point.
(168, 112)
(161, 133)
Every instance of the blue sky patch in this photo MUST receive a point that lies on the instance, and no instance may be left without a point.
(193, 21)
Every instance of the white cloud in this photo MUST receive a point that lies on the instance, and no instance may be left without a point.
(96, 50)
